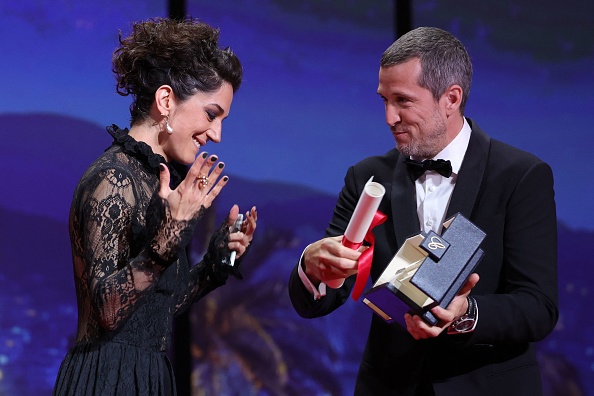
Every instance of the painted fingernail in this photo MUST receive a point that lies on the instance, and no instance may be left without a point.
(204, 155)
(221, 165)
(225, 178)
(162, 167)
(214, 158)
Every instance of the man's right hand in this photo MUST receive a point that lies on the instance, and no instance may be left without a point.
(327, 260)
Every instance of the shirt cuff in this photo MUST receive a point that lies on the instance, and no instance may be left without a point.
(317, 292)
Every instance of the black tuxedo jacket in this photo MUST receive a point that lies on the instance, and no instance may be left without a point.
(506, 192)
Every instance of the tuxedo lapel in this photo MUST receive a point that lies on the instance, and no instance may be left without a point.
(471, 174)
(404, 204)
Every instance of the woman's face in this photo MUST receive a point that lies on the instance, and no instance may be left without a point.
(195, 122)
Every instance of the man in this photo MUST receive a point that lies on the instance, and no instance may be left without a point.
(424, 81)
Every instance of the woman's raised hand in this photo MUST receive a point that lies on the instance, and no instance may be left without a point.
(200, 187)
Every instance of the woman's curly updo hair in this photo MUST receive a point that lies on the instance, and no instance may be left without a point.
(183, 54)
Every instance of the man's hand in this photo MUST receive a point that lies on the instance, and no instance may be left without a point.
(420, 330)
(328, 260)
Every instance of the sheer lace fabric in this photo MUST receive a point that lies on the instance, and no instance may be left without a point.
(131, 274)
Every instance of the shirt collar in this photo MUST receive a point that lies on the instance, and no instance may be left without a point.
(457, 148)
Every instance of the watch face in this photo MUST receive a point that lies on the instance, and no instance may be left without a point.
(464, 324)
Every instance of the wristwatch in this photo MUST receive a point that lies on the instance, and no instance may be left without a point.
(467, 322)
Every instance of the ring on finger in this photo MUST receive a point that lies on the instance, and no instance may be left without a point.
(202, 181)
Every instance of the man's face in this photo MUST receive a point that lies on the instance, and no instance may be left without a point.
(416, 120)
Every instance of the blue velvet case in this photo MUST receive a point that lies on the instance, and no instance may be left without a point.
(428, 270)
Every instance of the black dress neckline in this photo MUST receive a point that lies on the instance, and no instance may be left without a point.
(145, 154)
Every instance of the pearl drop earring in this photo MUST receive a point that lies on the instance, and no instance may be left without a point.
(167, 126)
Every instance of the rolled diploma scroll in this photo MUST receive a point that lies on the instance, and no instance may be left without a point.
(361, 220)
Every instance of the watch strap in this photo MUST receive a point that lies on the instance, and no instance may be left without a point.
(470, 318)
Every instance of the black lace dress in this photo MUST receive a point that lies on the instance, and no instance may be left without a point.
(131, 274)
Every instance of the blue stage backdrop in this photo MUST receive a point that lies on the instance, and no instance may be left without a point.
(306, 111)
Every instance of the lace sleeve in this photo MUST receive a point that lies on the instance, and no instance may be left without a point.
(213, 271)
(120, 274)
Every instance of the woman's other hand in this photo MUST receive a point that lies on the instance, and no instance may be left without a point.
(239, 241)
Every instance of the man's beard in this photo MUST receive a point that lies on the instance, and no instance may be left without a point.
(430, 143)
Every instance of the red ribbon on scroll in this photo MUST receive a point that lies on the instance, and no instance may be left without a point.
(367, 256)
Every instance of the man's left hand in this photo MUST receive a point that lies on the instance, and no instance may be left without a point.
(421, 330)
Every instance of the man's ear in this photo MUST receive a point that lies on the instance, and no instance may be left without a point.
(164, 99)
(453, 98)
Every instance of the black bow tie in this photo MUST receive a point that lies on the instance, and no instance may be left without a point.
(417, 168)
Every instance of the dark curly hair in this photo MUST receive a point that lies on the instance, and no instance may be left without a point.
(182, 54)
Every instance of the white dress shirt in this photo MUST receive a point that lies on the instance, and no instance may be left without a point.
(435, 191)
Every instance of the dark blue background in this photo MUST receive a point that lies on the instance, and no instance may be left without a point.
(306, 111)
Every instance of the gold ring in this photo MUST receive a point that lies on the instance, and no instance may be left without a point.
(202, 181)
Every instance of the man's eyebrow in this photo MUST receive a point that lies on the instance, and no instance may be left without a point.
(397, 93)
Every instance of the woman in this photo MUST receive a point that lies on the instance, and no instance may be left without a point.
(133, 214)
